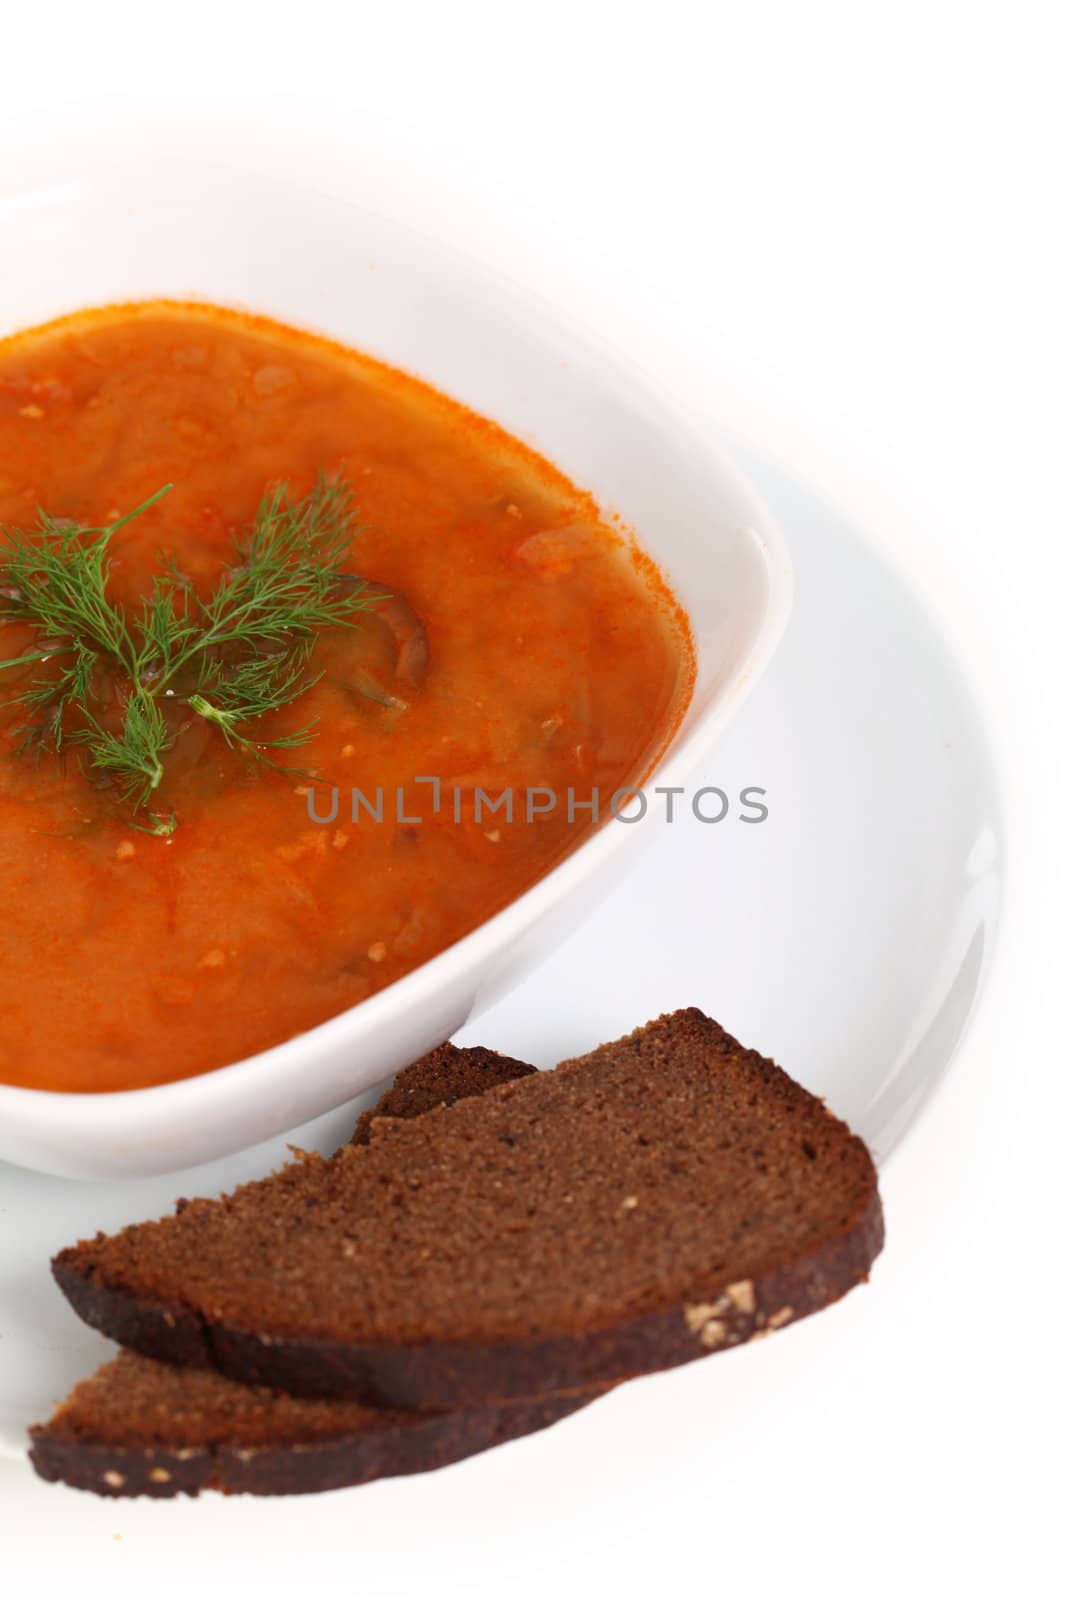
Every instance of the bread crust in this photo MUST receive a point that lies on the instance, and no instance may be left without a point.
(447, 1375)
(397, 1450)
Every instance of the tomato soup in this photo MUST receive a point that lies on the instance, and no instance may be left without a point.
(514, 641)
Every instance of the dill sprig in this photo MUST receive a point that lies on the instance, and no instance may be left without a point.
(229, 658)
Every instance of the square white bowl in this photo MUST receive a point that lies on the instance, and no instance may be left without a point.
(153, 229)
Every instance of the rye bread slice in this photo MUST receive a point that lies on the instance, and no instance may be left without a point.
(141, 1427)
(666, 1196)
(447, 1074)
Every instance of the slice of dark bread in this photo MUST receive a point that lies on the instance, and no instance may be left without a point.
(446, 1075)
(141, 1427)
(666, 1196)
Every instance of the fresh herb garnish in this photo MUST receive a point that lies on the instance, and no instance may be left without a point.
(230, 659)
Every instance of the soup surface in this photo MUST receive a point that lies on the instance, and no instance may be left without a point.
(512, 641)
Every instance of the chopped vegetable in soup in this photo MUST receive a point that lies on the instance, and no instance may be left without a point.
(305, 671)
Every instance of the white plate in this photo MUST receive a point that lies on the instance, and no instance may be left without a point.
(848, 934)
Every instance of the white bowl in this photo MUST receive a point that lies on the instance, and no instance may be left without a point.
(154, 229)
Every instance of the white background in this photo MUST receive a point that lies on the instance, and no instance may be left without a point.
(837, 228)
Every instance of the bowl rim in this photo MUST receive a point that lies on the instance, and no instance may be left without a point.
(53, 1111)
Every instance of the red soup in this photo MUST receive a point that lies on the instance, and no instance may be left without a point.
(353, 583)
